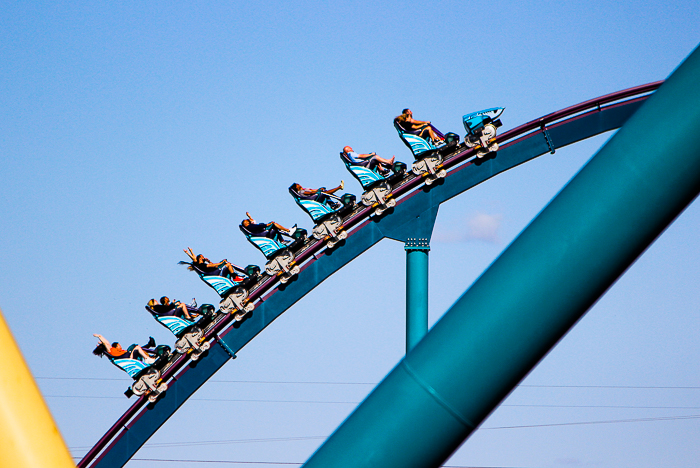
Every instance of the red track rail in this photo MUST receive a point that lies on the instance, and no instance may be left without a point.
(268, 286)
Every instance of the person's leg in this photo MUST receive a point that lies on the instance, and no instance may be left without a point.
(279, 226)
(425, 132)
(430, 133)
(275, 233)
(185, 312)
(230, 269)
(376, 164)
(332, 191)
(142, 354)
(388, 162)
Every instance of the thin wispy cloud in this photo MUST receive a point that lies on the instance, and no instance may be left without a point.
(480, 226)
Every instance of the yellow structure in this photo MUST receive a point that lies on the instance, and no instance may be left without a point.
(29, 437)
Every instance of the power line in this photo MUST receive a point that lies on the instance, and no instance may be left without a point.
(288, 439)
(234, 441)
(614, 386)
(263, 462)
(224, 381)
(217, 461)
(243, 400)
(219, 442)
(603, 406)
(218, 400)
(650, 387)
(614, 421)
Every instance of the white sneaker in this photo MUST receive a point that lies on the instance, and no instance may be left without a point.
(293, 230)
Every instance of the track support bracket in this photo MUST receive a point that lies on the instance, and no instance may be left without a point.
(223, 344)
(548, 139)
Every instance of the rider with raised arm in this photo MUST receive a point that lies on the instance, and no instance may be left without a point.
(271, 230)
(205, 266)
(115, 350)
(417, 127)
(371, 160)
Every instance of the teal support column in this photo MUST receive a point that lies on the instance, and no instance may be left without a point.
(530, 297)
(417, 250)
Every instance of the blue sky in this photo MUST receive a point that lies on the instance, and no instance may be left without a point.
(130, 131)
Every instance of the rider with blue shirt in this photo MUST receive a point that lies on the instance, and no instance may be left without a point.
(370, 160)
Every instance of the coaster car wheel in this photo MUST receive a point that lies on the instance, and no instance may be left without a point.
(318, 233)
(141, 385)
(489, 131)
(271, 268)
(416, 169)
(139, 388)
(471, 141)
(181, 346)
(367, 198)
(287, 276)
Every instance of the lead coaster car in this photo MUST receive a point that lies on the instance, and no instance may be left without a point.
(326, 211)
(189, 333)
(377, 186)
(481, 130)
(280, 255)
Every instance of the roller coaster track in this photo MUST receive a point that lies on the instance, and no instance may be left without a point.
(415, 211)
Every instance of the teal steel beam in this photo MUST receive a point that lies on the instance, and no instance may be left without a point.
(417, 250)
(530, 297)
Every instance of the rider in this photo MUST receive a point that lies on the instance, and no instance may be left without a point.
(115, 350)
(320, 195)
(370, 159)
(205, 266)
(417, 127)
(166, 307)
(271, 230)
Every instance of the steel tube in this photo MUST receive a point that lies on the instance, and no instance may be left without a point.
(534, 292)
(416, 294)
